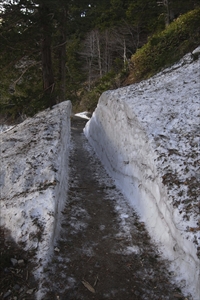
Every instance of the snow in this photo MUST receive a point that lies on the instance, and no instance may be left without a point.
(147, 137)
(34, 178)
(4, 128)
(83, 115)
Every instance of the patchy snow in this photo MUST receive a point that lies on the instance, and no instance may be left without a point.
(34, 178)
(147, 137)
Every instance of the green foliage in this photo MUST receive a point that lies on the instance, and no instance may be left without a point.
(111, 80)
(20, 60)
(74, 78)
(181, 7)
(22, 90)
(145, 15)
(85, 39)
(165, 48)
(89, 99)
(23, 104)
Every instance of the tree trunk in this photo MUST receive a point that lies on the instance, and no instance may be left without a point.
(62, 56)
(47, 70)
(99, 52)
(167, 16)
(48, 78)
(124, 55)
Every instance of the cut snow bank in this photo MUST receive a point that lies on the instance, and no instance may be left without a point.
(34, 178)
(146, 136)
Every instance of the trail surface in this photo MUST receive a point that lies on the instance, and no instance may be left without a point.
(104, 251)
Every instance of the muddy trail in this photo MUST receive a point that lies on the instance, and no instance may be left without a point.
(104, 251)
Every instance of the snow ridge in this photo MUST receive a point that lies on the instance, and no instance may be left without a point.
(34, 178)
(146, 136)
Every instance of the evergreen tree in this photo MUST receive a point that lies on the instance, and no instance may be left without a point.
(49, 47)
(36, 31)
(174, 8)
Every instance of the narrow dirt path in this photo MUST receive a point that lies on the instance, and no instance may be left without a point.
(104, 251)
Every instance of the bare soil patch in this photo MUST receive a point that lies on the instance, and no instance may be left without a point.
(16, 270)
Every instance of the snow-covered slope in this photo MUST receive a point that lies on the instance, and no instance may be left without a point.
(34, 177)
(147, 137)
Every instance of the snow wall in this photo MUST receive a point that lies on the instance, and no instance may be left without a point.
(143, 132)
(34, 178)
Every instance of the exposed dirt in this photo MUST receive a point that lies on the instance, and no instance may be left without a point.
(16, 270)
(104, 251)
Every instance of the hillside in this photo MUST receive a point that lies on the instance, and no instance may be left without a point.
(85, 48)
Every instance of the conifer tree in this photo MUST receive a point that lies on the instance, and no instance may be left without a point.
(37, 38)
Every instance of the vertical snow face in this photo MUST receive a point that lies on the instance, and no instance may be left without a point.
(34, 177)
(146, 136)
